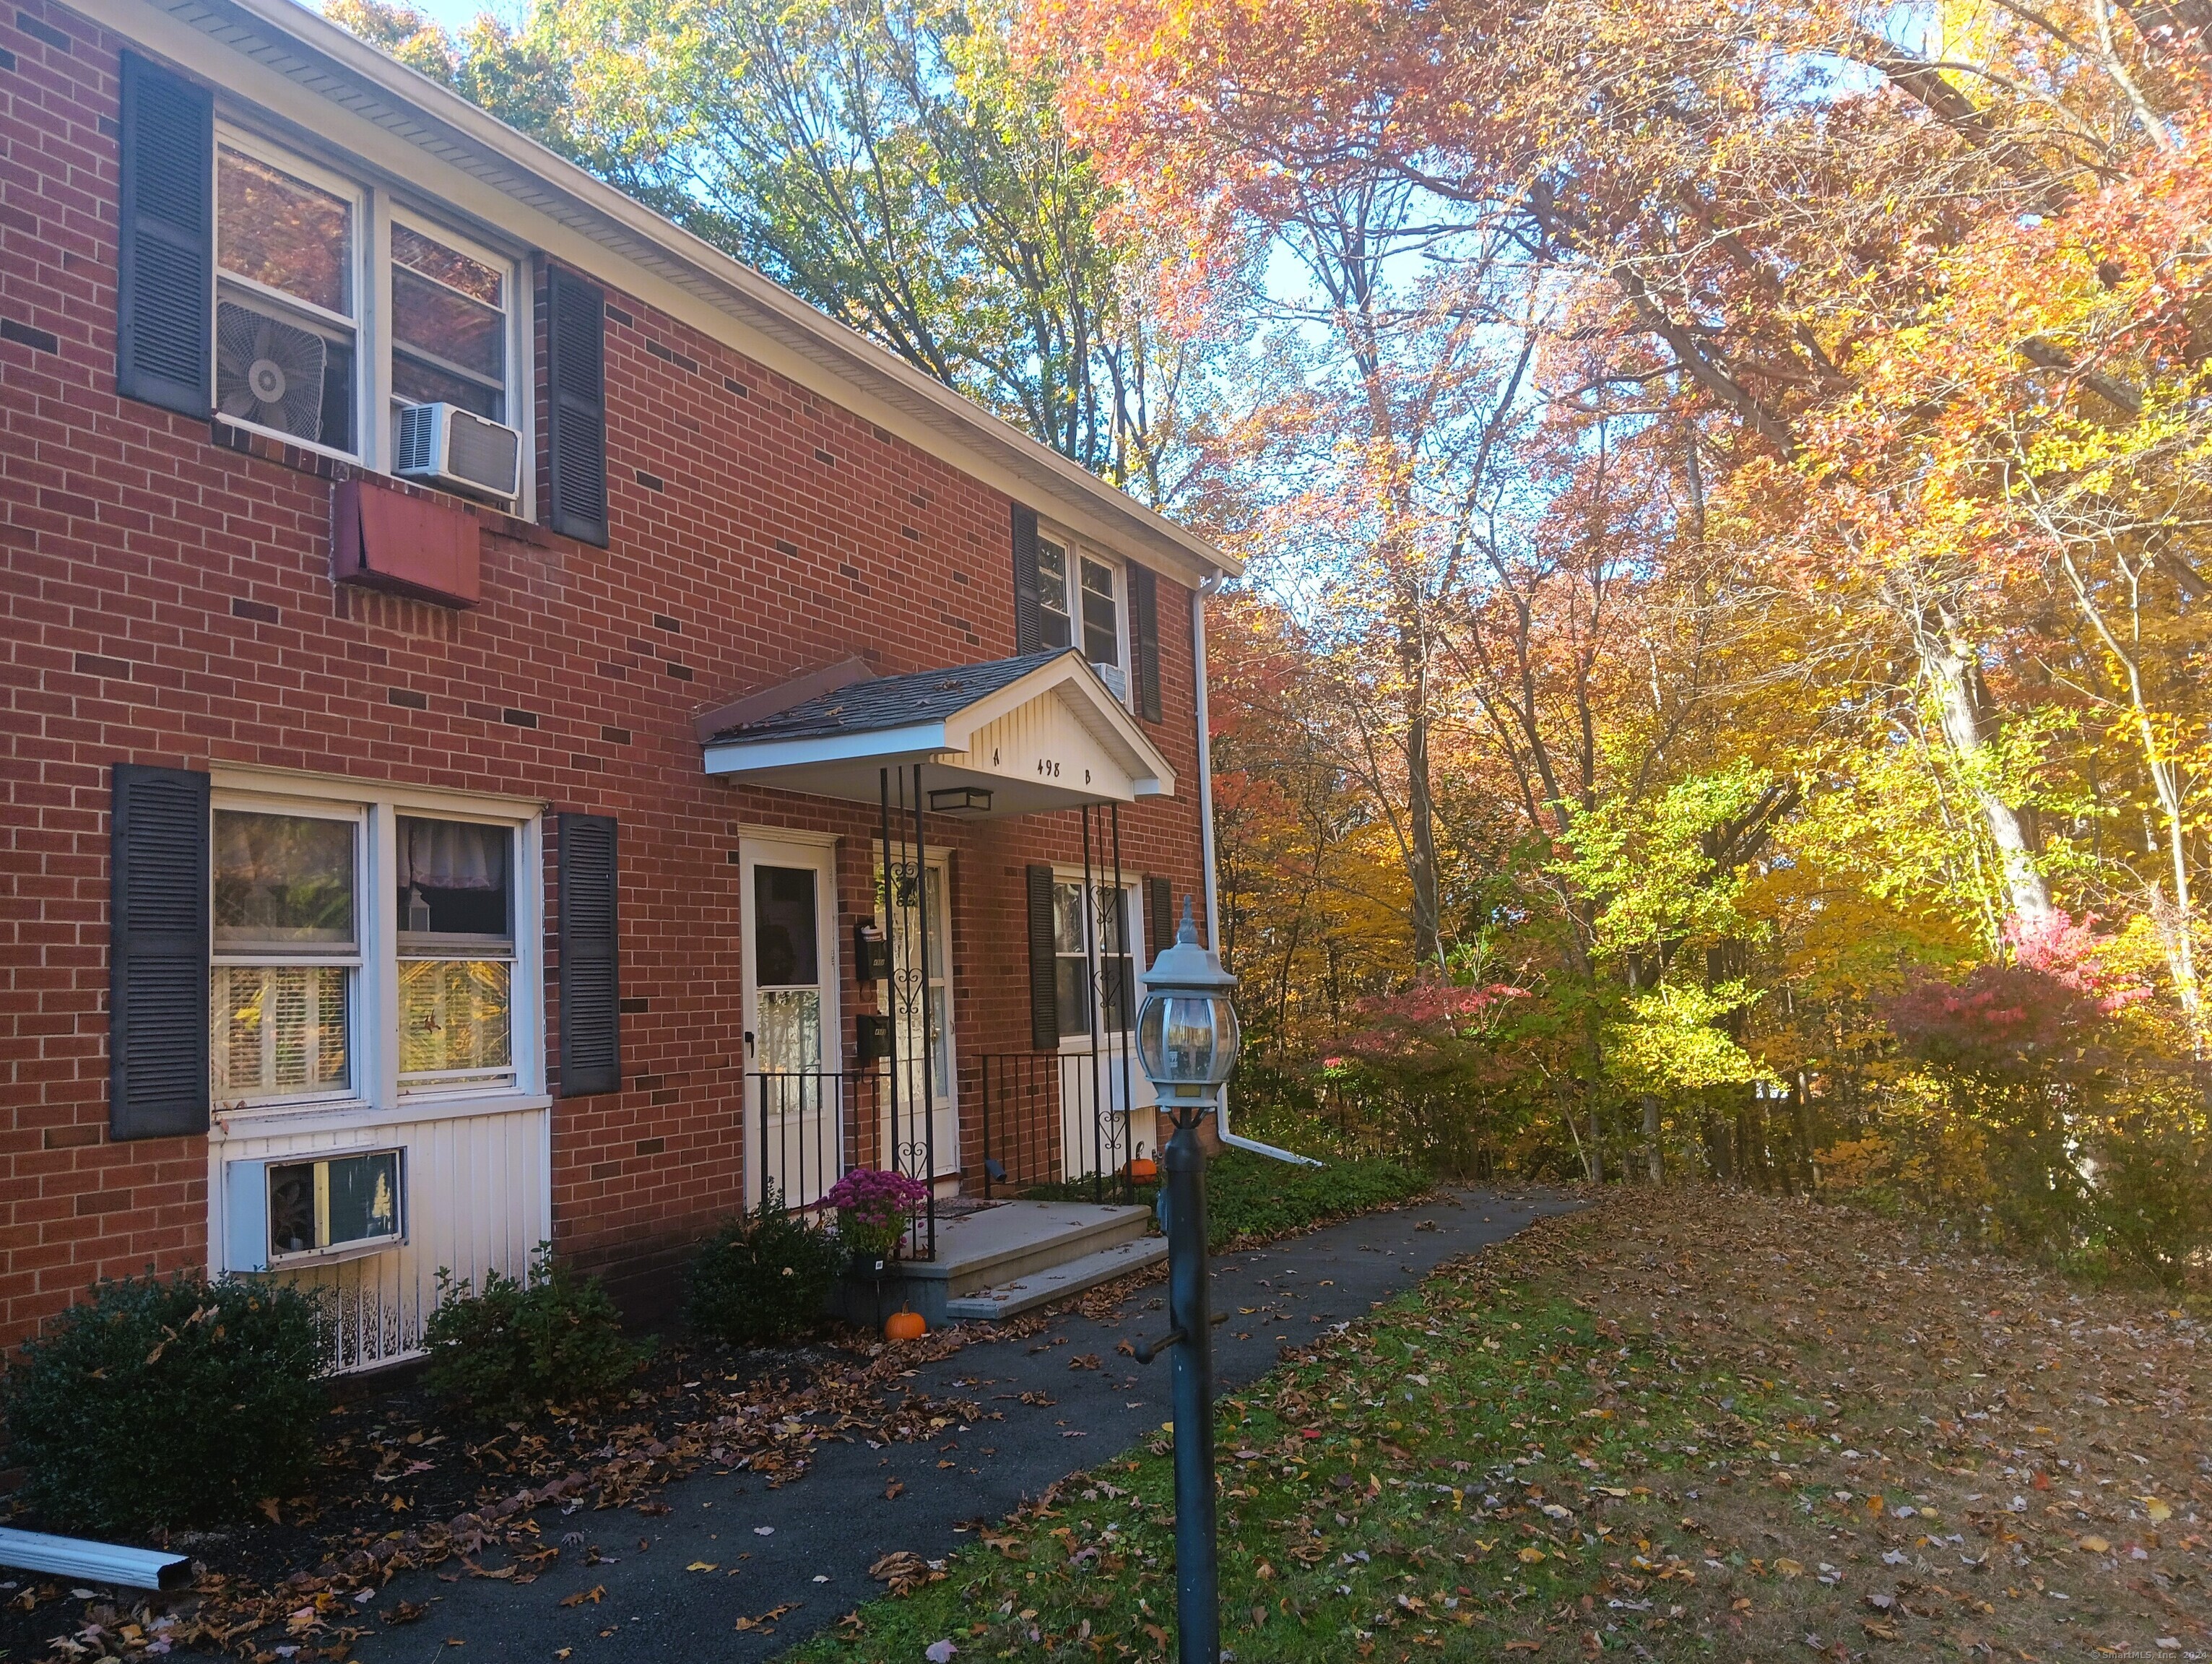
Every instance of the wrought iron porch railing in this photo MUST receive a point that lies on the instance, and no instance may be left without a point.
(1063, 1122)
(806, 1129)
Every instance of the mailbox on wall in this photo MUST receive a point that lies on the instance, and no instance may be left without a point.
(871, 952)
(871, 1036)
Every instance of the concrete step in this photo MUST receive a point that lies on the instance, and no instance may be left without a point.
(1009, 1241)
(1039, 1288)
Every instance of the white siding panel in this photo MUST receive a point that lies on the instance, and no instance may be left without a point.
(477, 1194)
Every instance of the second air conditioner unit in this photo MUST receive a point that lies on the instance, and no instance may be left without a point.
(444, 445)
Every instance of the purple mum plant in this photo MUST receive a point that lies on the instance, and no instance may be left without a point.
(872, 1208)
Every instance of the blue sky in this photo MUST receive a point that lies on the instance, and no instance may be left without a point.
(457, 14)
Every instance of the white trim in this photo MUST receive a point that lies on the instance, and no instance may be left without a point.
(305, 783)
(923, 741)
(338, 95)
(788, 835)
(366, 1120)
(948, 740)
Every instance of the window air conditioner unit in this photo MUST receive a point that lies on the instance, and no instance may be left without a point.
(1117, 682)
(444, 445)
(316, 1207)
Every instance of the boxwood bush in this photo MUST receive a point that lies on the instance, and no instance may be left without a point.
(507, 1351)
(764, 1277)
(169, 1401)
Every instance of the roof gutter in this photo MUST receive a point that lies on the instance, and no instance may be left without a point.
(1211, 587)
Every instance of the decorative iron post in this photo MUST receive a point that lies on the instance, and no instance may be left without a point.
(1187, 1038)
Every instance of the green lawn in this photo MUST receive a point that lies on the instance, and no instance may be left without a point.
(1459, 1473)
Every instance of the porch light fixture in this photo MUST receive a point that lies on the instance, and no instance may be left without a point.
(1186, 1037)
(1187, 1031)
(959, 800)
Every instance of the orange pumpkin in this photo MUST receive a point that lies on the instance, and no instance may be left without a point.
(1144, 1169)
(904, 1325)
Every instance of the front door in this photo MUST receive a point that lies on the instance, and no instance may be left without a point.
(795, 1097)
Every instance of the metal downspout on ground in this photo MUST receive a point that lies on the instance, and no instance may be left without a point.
(1211, 586)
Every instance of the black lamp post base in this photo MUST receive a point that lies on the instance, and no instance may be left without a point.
(1190, 1318)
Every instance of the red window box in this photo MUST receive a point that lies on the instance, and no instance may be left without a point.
(394, 540)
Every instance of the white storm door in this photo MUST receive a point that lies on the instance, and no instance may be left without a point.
(921, 991)
(794, 1096)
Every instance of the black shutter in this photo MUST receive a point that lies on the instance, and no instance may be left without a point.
(576, 401)
(157, 910)
(1144, 635)
(1044, 1000)
(165, 298)
(1028, 619)
(591, 1000)
(1160, 914)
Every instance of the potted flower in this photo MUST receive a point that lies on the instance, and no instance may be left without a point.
(873, 1207)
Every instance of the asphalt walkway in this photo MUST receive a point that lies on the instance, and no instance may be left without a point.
(807, 1548)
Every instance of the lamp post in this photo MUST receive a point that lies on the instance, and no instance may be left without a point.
(1186, 1037)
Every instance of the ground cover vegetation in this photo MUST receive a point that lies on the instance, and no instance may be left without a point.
(1690, 1427)
(1719, 688)
(531, 1395)
(1254, 1199)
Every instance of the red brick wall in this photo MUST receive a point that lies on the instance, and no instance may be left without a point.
(167, 599)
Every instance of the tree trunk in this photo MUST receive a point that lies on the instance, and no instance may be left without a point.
(1952, 673)
(1655, 1165)
(1420, 801)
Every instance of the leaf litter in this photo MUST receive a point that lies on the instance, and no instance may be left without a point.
(1684, 1426)
(406, 1492)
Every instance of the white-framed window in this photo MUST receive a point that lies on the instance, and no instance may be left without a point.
(337, 306)
(1080, 603)
(452, 320)
(1092, 956)
(454, 918)
(287, 951)
(368, 947)
(287, 248)
(336, 1203)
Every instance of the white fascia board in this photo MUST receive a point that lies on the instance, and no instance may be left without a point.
(924, 742)
(360, 106)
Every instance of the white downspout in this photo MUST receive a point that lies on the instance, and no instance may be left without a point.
(1206, 855)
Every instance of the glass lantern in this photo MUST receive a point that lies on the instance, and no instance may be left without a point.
(1187, 1031)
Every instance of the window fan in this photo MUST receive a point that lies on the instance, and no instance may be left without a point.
(269, 372)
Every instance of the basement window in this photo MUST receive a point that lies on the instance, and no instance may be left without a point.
(342, 1202)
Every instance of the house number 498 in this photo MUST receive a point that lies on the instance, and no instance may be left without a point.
(1047, 768)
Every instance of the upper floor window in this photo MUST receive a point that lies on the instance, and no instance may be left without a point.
(449, 324)
(1079, 604)
(285, 331)
(332, 303)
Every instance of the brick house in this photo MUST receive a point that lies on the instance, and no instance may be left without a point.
(519, 729)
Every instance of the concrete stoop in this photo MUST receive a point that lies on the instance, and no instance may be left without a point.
(1010, 1257)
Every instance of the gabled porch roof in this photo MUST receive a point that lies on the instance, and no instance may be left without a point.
(1039, 731)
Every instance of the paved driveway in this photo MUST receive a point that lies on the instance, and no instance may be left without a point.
(808, 1545)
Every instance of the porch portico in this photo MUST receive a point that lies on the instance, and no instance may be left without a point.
(924, 1091)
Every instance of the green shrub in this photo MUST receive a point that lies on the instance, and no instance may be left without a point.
(506, 1352)
(765, 1277)
(169, 1401)
(1249, 1195)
